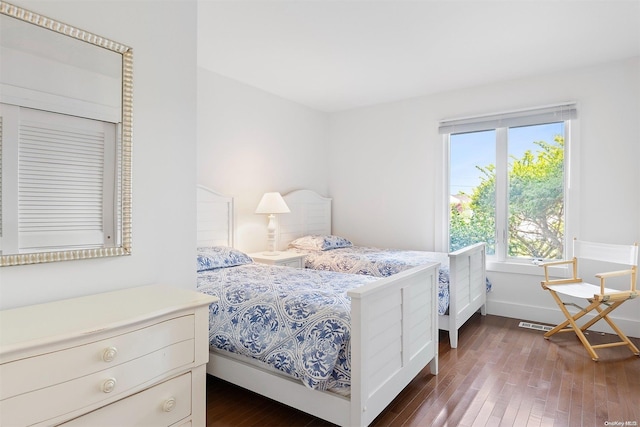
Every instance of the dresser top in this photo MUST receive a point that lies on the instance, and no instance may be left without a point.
(36, 325)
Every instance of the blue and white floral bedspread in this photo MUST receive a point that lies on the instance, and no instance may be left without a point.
(381, 263)
(296, 320)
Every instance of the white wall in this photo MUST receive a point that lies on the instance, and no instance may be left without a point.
(164, 149)
(252, 142)
(386, 161)
(383, 172)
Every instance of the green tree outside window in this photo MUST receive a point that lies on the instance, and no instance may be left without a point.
(536, 205)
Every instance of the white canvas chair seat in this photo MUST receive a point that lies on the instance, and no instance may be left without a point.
(596, 296)
(580, 290)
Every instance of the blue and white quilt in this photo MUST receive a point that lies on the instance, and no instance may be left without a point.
(295, 320)
(380, 263)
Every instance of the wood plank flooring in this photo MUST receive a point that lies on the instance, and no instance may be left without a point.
(500, 375)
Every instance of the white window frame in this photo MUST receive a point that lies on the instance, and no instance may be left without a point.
(500, 261)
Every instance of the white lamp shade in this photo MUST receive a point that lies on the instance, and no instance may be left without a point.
(272, 203)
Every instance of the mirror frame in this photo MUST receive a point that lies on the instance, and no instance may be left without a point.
(125, 138)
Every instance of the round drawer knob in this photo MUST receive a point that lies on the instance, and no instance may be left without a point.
(109, 354)
(169, 404)
(109, 385)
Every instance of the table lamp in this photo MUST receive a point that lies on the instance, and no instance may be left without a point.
(271, 204)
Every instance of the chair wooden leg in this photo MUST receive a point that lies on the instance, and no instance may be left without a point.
(556, 329)
(601, 314)
(562, 327)
(579, 330)
(604, 314)
(572, 320)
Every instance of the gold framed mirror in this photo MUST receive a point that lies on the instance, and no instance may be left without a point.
(65, 141)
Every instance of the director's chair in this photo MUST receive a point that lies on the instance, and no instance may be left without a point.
(596, 295)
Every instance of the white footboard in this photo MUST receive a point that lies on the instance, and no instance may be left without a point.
(467, 288)
(394, 335)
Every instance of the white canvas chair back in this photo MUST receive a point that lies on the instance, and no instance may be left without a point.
(618, 254)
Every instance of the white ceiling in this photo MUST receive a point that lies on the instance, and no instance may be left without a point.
(336, 55)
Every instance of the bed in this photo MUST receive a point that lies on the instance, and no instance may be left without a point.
(463, 284)
(392, 328)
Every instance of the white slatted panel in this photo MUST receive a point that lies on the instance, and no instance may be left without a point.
(466, 270)
(420, 327)
(61, 180)
(214, 218)
(310, 214)
(395, 334)
(399, 329)
(386, 337)
(463, 278)
(478, 284)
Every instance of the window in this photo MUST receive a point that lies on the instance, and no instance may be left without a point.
(508, 183)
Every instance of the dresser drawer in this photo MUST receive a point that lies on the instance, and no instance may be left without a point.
(97, 388)
(45, 370)
(162, 405)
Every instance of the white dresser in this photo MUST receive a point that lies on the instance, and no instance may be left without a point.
(134, 357)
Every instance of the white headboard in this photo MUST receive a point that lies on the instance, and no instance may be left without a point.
(310, 214)
(214, 218)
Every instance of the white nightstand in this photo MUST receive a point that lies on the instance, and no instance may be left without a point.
(289, 259)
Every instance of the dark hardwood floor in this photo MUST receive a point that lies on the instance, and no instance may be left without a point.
(500, 375)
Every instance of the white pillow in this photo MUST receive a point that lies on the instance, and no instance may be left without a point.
(320, 243)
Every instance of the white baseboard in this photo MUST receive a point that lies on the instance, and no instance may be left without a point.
(554, 316)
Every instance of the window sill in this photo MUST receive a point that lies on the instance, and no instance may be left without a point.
(522, 268)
